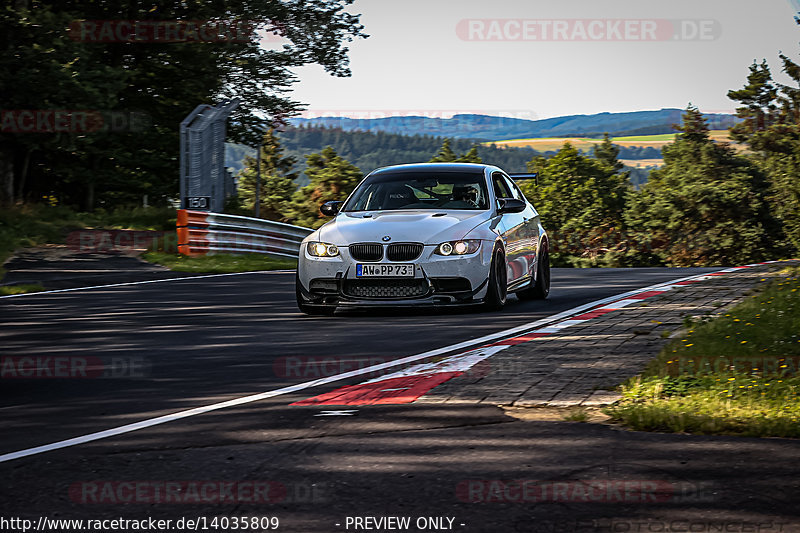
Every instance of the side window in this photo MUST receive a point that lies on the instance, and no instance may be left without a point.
(500, 186)
(515, 192)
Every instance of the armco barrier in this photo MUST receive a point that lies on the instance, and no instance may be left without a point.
(201, 233)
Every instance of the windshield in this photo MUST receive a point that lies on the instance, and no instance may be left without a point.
(420, 190)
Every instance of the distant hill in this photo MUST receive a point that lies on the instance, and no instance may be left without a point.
(493, 128)
(371, 150)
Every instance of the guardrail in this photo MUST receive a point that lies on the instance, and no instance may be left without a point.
(202, 233)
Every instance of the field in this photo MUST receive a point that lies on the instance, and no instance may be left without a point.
(546, 144)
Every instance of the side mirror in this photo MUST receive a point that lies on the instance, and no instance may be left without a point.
(510, 205)
(330, 208)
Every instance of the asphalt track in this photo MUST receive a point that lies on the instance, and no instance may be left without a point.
(206, 340)
(199, 341)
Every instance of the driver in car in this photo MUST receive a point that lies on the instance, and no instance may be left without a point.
(467, 194)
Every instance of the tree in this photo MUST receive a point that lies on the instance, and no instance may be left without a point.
(608, 153)
(614, 184)
(576, 192)
(445, 154)
(43, 69)
(758, 110)
(331, 178)
(277, 180)
(581, 199)
(165, 81)
(771, 129)
(790, 96)
(706, 205)
(471, 156)
(369, 149)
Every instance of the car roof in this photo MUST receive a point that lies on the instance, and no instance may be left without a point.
(435, 167)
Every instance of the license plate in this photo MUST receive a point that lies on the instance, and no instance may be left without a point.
(384, 271)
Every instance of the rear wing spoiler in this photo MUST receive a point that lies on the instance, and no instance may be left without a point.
(526, 176)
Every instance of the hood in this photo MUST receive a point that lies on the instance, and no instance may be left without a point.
(428, 226)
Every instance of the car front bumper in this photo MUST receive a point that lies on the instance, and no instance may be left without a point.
(438, 280)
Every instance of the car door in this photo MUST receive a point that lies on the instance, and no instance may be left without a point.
(512, 230)
(530, 232)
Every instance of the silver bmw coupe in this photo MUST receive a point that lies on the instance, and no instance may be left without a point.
(425, 234)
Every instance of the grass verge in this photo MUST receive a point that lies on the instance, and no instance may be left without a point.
(8, 290)
(219, 264)
(36, 224)
(735, 374)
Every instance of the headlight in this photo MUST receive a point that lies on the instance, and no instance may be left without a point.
(458, 247)
(322, 249)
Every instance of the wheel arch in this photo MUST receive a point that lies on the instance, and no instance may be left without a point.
(499, 244)
(544, 240)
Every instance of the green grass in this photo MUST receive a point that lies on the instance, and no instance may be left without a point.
(7, 290)
(31, 226)
(735, 374)
(578, 414)
(732, 404)
(219, 264)
(37, 224)
(766, 325)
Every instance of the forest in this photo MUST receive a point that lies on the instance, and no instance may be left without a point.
(370, 150)
(709, 204)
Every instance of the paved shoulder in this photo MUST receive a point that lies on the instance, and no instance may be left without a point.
(581, 364)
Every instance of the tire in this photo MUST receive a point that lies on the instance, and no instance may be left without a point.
(498, 283)
(312, 310)
(541, 289)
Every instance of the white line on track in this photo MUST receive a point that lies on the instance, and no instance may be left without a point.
(145, 282)
(128, 428)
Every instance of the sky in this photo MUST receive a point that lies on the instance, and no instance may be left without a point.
(538, 59)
